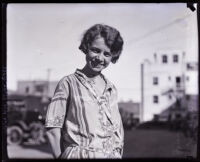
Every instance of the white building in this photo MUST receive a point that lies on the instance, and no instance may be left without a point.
(191, 74)
(164, 78)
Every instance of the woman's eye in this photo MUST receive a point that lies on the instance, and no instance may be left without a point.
(107, 54)
(95, 50)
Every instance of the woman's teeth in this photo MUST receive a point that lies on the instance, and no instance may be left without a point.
(96, 64)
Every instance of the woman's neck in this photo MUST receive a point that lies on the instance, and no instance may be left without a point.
(89, 73)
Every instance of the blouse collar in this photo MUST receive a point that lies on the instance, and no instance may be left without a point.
(84, 78)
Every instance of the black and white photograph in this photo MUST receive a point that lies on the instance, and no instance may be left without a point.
(102, 80)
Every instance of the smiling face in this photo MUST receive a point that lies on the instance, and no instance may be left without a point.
(98, 56)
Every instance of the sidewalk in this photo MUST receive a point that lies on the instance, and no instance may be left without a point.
(29, 152)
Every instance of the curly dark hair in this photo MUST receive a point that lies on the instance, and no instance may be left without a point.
(111, 37)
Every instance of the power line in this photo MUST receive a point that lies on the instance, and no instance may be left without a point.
(159, 29)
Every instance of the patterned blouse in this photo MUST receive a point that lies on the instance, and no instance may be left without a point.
(91, 124)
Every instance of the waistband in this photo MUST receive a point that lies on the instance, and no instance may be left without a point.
(115, 151)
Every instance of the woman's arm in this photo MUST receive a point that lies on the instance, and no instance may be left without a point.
(54, 135)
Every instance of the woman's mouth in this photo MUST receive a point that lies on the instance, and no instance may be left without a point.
(96, 64)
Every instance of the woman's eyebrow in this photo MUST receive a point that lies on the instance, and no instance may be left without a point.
(95, 48)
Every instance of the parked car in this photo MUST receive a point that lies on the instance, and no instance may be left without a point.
(24, 124)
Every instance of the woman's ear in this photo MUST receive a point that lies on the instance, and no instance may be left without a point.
(84, 49)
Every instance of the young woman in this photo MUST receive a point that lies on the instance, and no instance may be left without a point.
(83, 120)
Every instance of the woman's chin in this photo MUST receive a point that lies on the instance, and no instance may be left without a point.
(96, 69)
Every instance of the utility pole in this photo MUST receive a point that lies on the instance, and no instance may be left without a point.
(142, 93)
(198, 26)
(45, 95)
(48, 79)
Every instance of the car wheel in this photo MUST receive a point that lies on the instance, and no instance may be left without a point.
(14, 135)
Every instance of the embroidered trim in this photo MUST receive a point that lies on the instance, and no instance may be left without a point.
(57, 121)
(107, 153)
(110, 145)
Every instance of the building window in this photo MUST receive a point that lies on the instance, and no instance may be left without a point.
(178, 82)
(169, 78)
(187, 78)
(192, 66)
(39, 88)
(164, 58)
(155, 99)
(155, 80)
(178, 116)
(187, 97)
(175, 58)
(27, 90)
(170, 96)
(188, 66)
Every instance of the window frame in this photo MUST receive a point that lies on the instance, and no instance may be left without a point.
(155, 99)
(175, 58)
(164, 59)
(187, 78)
(155, 80)
(178, 83)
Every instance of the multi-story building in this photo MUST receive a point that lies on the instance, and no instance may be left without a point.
(165, 79)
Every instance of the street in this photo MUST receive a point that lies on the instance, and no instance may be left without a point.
(138, 143)
(157, 143)
(30, 152)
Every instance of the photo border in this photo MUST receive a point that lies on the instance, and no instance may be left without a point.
(4, 83)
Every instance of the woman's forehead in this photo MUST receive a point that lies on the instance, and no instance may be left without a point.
(100, 42)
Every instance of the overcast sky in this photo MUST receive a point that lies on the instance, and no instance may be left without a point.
(47, 36)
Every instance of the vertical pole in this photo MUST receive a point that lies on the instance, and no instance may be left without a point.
(183, 66)
(198, 26)
(142, 93)
(48, 78)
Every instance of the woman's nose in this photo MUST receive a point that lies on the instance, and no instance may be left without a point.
(100, 57)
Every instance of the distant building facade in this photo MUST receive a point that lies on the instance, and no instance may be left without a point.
(130, 107)
(37, 88)
(164, 80)
(130, 113)
(36, 94)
